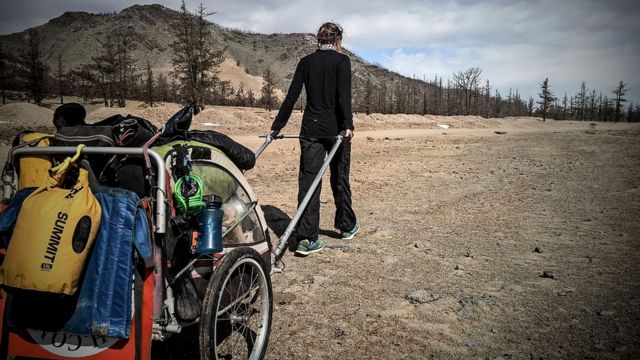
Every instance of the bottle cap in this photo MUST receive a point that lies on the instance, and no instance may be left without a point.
(213, 198)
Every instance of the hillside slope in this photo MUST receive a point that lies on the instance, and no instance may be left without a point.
(75, 36)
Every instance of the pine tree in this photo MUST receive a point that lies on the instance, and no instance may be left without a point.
(487, 99)
(33, 68)
(195, 60)
(581, 101)
(251, 98)
(546, 98)
(105, 67)
(60, 75)
(241, 95)
(3, 72)
(510, 103)
(149, 86)
(125, 68)
(268, 90)
(620, 91)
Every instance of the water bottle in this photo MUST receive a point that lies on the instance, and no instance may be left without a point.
(210, 226)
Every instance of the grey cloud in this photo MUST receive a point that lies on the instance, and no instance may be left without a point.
(517, 43)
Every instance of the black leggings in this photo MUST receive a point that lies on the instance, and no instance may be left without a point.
(312, 155)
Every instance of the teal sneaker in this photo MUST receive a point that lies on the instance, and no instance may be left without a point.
(348, 235)
(306, 247)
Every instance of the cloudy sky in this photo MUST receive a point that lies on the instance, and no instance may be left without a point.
(516, 43)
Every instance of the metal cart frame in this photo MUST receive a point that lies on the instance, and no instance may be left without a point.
(239, 261)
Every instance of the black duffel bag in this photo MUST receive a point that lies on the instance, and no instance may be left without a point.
(88, 135)
(177, 128)
(128, 172)
(130, 131)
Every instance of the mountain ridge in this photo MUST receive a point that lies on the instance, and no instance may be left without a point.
(75, 34)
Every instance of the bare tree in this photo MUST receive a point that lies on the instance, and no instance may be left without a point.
(162, 88)
(620, 91)
(600, 103)
(383, 98)
(498, 104)
(425, 95)
(606, 109)
(368, 97)
(439, 97)
(580, 102)
(412, 93)
(546, 98)
(466, 81)
(592, 104)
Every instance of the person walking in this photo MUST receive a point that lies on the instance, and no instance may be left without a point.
(326, 76)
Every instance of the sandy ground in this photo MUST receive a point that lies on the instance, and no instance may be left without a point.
(459, 214)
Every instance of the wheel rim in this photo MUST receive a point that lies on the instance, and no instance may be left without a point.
(242, 312)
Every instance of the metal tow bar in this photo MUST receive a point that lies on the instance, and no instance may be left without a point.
(284, 239)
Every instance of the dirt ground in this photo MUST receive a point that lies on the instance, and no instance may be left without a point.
(466, 221)
(460, 216)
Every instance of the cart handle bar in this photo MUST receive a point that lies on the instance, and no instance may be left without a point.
(281, 136)
(284, 239)
(268, 139)
(160, 225)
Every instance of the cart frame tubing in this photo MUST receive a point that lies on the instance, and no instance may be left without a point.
(307, 197)
(161, 183)
(268, 139)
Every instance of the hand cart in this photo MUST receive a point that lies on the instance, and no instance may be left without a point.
(234, 286)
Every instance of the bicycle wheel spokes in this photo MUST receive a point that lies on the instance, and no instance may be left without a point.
(237, 308)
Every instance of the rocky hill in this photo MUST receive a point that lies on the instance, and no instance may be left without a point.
(75, 36)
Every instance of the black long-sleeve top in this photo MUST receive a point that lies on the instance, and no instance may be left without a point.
(326, 75)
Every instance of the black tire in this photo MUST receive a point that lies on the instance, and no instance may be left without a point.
(235, 321)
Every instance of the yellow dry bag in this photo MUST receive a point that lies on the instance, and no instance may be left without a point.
(53, 235)
(34, 169)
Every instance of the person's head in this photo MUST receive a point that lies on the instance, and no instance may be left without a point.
(330, 33)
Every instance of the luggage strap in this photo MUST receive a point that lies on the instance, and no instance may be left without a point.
(138, 294)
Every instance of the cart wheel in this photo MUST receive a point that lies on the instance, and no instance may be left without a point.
(236, 311)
